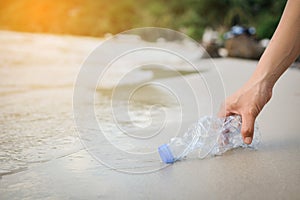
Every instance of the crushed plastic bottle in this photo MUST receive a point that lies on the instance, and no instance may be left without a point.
(208, 136)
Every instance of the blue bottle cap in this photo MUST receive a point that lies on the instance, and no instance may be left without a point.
(166, 154)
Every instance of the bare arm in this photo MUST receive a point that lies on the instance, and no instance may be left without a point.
(282, 50)
(284, 46)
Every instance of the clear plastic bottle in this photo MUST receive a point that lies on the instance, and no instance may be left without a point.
(208, 136)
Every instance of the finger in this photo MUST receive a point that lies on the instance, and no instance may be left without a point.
(247, 128)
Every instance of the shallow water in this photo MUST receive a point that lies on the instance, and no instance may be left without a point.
(36, 98)
(38, 73)
(36, 120)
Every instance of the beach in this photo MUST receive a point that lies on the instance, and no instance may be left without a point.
(44, 154)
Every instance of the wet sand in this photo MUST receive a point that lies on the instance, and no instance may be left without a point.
(58, 167)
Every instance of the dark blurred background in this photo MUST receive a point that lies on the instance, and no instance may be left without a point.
(99, 17)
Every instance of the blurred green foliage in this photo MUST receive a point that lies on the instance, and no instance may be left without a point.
(98, 17)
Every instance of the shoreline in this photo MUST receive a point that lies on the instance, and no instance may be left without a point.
(38, 125)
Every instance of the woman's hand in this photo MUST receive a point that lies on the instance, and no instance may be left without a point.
(247, 102)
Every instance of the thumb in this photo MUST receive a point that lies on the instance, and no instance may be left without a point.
(247, 128)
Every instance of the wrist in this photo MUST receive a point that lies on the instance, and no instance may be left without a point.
(263, 77)
(262, 84)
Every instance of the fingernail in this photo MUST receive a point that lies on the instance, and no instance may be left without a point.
(248, 140)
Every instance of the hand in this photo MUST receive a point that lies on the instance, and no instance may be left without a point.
(282, 50)
(247, 102)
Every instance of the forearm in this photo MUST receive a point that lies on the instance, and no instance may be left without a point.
(283, 48)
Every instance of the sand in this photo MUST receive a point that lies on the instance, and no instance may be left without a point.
(271, 172)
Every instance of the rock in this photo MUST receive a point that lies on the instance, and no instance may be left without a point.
(212, 50)
(243, 46)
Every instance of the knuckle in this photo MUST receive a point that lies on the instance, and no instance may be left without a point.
(235, 103)
(231, 105)
(252, 111)
(247, 131)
